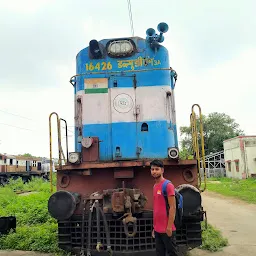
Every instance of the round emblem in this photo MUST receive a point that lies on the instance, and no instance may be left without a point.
(123, 103)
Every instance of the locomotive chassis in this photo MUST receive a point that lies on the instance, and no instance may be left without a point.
(76, 178)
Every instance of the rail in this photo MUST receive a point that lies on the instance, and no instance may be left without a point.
(195, 142)
(61, 153)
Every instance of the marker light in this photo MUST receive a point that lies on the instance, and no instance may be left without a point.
(74, 157)
(173, 153)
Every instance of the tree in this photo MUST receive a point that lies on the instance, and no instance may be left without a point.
(217, 127)
(27, 155)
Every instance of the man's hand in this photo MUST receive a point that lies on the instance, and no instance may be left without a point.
(153, 233)
(169, 231)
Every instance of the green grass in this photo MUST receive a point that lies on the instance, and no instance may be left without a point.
(241, 189)
(212, 239)
(36, 229)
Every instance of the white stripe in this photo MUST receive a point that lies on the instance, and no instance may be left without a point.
(95, 108)
(122, 97)
(152, 102)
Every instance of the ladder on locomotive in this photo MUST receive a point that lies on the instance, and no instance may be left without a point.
(61, 152)
(195, 141)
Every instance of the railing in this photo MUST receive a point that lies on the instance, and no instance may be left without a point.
(200, 159)
(61, 153)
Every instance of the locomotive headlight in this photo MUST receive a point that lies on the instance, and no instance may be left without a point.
(74, 157)
(120, 47)
(173, 153)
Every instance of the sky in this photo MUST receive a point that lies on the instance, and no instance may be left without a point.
(212, 47)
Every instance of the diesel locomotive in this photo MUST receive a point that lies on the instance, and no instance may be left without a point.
(124, 118)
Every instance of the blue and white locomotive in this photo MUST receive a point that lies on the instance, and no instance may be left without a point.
(127, 98)
(124, 118)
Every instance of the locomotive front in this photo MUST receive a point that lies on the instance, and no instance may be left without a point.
(124, 118)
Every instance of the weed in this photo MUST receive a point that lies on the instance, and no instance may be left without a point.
(212, 239)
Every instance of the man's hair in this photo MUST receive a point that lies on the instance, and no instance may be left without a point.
(157, 163)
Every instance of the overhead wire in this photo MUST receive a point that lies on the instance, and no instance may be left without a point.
(7, 112)
(16, 115)
(17, 127)
(130, 16)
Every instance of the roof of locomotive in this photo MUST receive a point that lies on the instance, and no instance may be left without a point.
(135, 39)
(151, 37)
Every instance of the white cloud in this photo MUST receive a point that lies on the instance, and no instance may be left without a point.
(228, 87)
(36, 106)
(24, 6)
(211, 45)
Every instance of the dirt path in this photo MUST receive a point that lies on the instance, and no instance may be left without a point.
(237, 222)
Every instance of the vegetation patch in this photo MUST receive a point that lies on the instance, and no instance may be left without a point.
(36, 229)
(212, 238)
(241, 189)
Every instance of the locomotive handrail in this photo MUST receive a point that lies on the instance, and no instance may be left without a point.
(195, 143)
(118, 72)
(66, 127)
(59, 144)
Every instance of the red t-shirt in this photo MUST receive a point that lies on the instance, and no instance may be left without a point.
(159, 207)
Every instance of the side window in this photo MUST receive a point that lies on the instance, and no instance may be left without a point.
(237, 165)
(229, 166)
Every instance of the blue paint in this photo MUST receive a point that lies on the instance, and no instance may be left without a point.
(156, 141)
(124, 136)
(124, 140)
(103, 131)
(146, 78)
(175, 136)
(128, 136)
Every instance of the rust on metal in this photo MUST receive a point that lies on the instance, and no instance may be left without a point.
(87, 172)
(124, 173)
(91, 154)
(102, 179)
(117, 201)
(100, 165)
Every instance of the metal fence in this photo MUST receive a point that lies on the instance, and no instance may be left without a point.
(215, 165)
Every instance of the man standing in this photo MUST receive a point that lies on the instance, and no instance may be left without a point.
(163, 223)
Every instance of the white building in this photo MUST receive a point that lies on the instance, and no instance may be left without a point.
(240, 157)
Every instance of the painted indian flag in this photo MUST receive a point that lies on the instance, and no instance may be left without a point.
(96, 85)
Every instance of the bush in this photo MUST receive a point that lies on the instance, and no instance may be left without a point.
(41, 238)
(36, 229)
